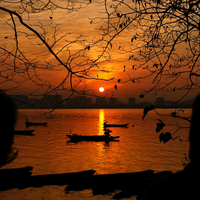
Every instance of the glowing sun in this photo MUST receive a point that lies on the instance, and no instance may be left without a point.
(101, 89)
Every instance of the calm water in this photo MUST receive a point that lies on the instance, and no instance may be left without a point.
(49, 152)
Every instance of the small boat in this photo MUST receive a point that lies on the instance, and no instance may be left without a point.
(97, 138)
(60, 179)
(115, 125)
(28, 123)
(24, 132)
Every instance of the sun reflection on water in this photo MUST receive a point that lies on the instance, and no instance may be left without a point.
(101, 121)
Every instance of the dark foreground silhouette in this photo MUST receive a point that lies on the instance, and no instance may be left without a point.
(183, 185)
(7, 124)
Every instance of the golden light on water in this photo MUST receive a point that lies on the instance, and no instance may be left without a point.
(101, 121)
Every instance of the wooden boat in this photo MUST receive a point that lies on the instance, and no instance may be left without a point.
(24, 132)
(97, 138)
(28, 123)
(22, 178)
(107, 183)
(115, 125)
(60, 179)
(16, 172)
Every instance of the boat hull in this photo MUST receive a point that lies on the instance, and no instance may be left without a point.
(24, 132)
(115, 125)
(36, 124)
(92, 137)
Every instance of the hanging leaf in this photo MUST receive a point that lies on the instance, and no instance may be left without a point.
(133, 81)
(141, 96)
(124, 68)
(115, 87)
(119, 80)
(165, 137)
(151, 16)
(155, 65)
(90, 1)
(146, 110)
(133, 67)
(159, 125)
(174, 114)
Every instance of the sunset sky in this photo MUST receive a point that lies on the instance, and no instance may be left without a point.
(86, 22)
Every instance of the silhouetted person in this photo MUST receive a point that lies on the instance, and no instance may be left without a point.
(183, 185)
(7, 124)
(106, 133)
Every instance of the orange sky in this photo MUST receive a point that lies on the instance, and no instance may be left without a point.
(73, 24)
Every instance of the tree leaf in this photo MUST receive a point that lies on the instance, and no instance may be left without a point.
(165, 137)
(141, 96)
(174, 114)
(159, 125)
(155, 65)
(119, 80)
(115, 87)
(146, 110)
(133, 81)
(124, 68)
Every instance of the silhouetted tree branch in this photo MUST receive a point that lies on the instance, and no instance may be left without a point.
(163, 42)
(32, 48)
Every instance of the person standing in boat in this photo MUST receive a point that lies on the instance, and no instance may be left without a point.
(7, 124)
(107, 132)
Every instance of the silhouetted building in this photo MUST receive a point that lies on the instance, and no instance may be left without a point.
(21, 101)
(113, 101)
(131, 101)
(100, 102)
(51, 101)
(89, 101)
(160, 102)
(78, 102)
(143, 104)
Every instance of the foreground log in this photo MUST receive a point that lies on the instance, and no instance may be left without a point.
(24, 179)
(129, 184)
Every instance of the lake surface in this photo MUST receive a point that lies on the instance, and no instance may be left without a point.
(50, 152)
